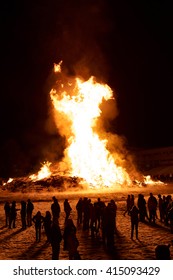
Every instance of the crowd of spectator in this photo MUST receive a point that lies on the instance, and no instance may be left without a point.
(98, 218)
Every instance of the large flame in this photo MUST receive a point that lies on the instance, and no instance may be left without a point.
(87, 155)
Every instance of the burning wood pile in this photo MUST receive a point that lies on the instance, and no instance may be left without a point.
(25, 184)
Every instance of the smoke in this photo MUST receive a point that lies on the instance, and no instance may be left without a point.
(85, 26)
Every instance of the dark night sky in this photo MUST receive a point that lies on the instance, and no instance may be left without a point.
(128, 44)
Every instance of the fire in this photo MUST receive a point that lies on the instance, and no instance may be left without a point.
(9, 181)
(57, 67)
(44, 172)
(148, 180)
(77, 103)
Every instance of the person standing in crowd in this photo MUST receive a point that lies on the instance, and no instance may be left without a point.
(100, 205)
(109, 226)
(47, 225)
(13, 215)
(114, 211)
(141, 204)
(93, 221)
(160, 205)
(86, 213)
(170, 217)
(67, 209)
(152, 207)
(7, 213)
(23, 214)
(69, 226)
(104, 224)
(166, 206)
(134, 213)
(128, 205)
(55, 208)
(70, 240)
(38, 219)
(79, 208)
(132, 201)
(55, 239)
(29, 210)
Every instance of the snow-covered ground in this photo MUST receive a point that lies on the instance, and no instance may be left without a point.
(18, 244)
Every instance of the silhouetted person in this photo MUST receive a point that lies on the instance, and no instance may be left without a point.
(13, 215)
(69, 227)
(134, 212)
(141, 203)
(160, 206)
(55, 239)
(170, 218)
(86, 213)
(93, 220)
(38, 219)
(132, 201)
(167, 206)
(47, 225)
(23, 214)
(104, 224)
(128, 205)
(79, 208)
(67, 208)
(162, 252)
(55, 207)
(7, 213)
(100, 205)
(164, 207)
(114, 211)
(110, 226)
(29, 211)
(152, 207)
(71, 241)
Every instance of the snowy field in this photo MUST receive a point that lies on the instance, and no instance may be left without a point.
(18, 244)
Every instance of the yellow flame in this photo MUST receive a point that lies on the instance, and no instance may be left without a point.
(10, 180)
(148, 180)
(44, 172)
(57, 67)
(87, 155)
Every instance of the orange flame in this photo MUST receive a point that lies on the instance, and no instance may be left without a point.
(148, 181)
(57, 67)
(87, 156)
(8, 181)
(44, 172)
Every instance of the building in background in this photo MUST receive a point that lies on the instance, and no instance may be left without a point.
(156, 162)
